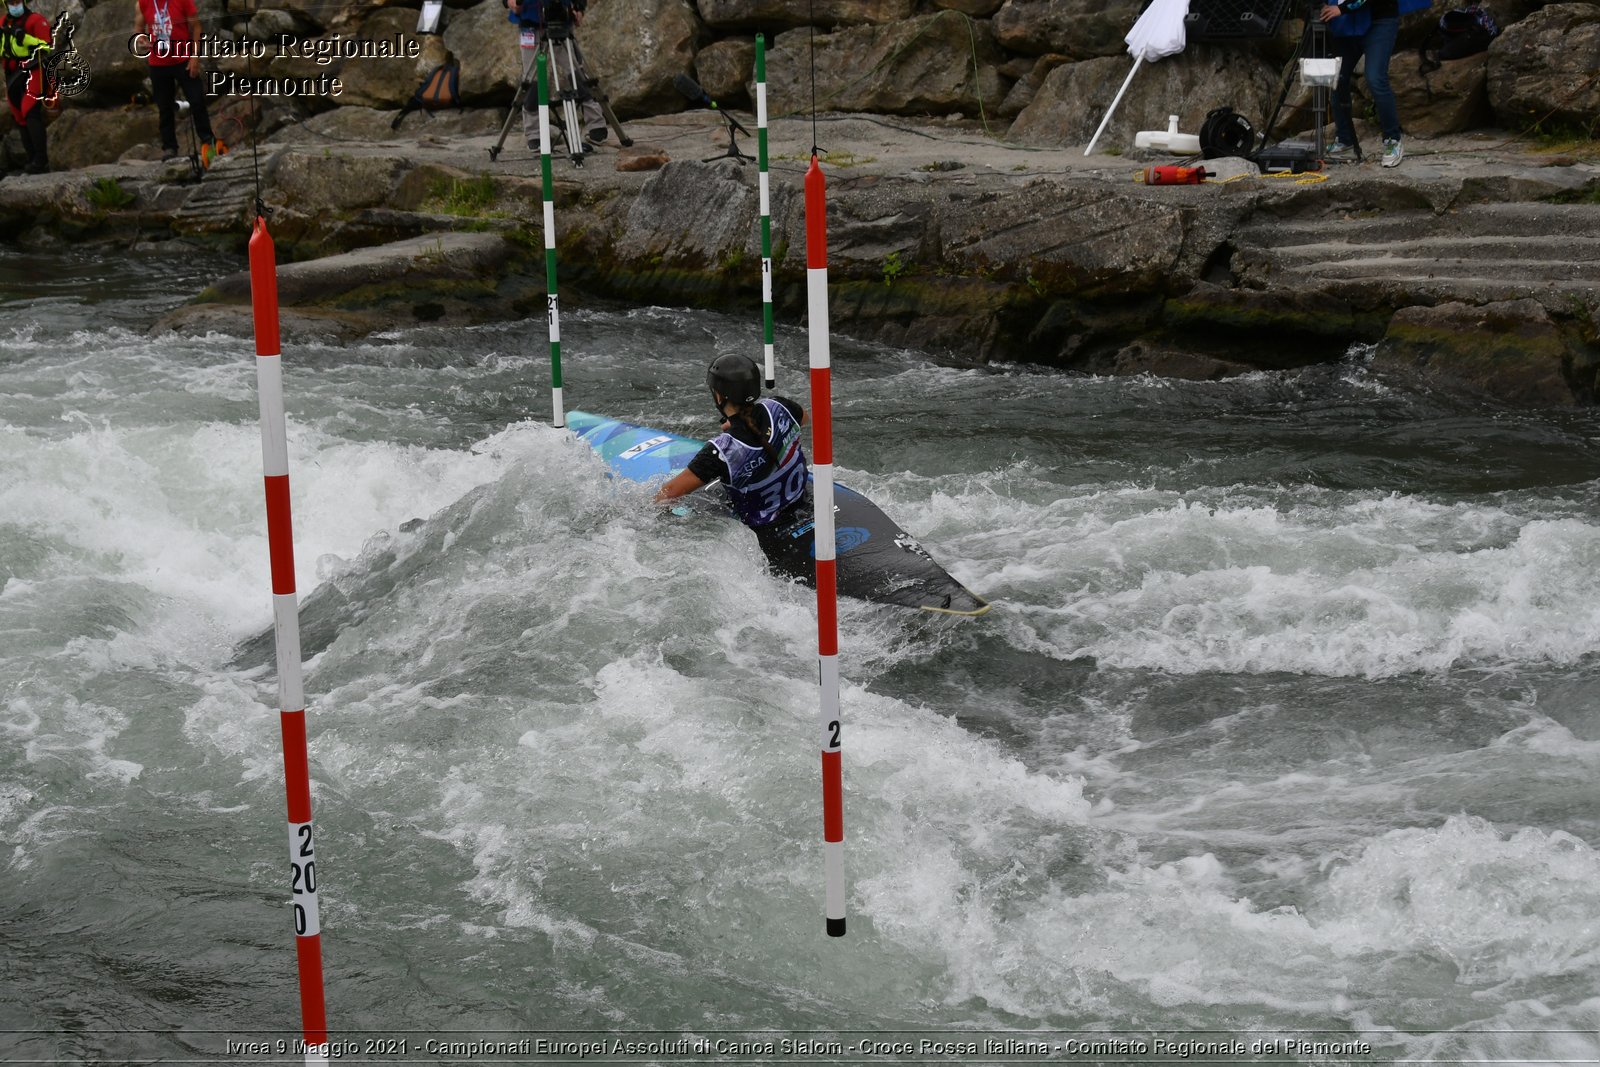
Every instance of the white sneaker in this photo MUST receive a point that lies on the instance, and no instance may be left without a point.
(1339, 151)
(1393, 152)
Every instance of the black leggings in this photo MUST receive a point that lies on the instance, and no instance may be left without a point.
(33, 136)
(164, 83)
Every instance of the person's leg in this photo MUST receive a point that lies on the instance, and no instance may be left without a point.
(589, 114)
(194, 92)
(1379, 48)
(1348, 49)
(34, 137)
(594, 120)
(164, 90)
(16, 90)
(529, 46)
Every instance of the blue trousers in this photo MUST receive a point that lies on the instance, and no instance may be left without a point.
(1375, 47)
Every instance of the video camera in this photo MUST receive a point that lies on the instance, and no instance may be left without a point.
(553, 16)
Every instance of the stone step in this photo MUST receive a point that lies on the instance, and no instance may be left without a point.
(1579, 253)
(1398, 268)
(1525, 221)
(224, 199)
(1471, 290)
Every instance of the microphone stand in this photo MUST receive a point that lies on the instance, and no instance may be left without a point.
(733, 151)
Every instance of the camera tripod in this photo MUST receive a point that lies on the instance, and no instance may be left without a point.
(556, 39)
(1298, 158)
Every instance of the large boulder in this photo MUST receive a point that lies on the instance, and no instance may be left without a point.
(978, 9)
(486, 46)
(82, 137)
(689, 215)
(1028, 84)
(1512, 351)
(1078, 28)
(1452, 99)
(784, 14)
(102, 38)
(273, 24)
(342, 182)
(344, 124)
(384, 82)
(1543, 67)
(1068, 107)
(351, 15)
(431, 277)
(725, 68)
(938, 64)
(637, 47)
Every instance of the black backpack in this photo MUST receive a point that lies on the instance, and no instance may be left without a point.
(1461, 32)
(439, 90)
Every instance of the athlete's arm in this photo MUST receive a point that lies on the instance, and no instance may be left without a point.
(682, 484)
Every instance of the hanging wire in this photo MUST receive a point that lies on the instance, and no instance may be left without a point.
(811, 14)
(262, 210)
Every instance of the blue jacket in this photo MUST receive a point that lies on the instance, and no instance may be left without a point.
(531, 15)
(1357, 18)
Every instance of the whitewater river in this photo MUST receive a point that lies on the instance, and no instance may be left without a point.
(1284, 724)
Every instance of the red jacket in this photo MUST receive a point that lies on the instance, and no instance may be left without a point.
(18, 40)
(178, 47)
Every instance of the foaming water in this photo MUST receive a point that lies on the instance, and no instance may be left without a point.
(1283, 719)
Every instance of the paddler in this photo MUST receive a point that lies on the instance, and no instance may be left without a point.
(757, 456)
(24, 42)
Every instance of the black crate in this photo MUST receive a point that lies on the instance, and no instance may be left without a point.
(1235, 20)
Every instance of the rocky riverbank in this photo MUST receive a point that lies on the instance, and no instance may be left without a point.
(982, 235)
(1474, 264)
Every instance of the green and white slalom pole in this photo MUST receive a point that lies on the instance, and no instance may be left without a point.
(552, 302)
(766, 208)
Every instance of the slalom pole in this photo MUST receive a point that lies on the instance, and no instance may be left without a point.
(286, 627)
(552, 302)
(766, 208)
(827, 579)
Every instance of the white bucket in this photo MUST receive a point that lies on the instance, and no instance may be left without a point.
(1319, 73)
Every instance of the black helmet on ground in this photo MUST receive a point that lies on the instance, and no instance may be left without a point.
(736, 379)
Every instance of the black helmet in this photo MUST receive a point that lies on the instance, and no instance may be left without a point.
(736, 379)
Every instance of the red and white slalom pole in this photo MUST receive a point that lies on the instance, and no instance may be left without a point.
(286, 626)
(827, 577)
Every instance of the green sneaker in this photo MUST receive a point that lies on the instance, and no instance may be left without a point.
(1393, 152)
(1339, 152)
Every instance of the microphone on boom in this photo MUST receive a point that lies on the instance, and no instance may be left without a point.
(696, 95)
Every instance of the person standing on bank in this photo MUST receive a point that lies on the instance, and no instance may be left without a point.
(1366, 30)
(173, 29)
(532, 18)
(24, 41)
